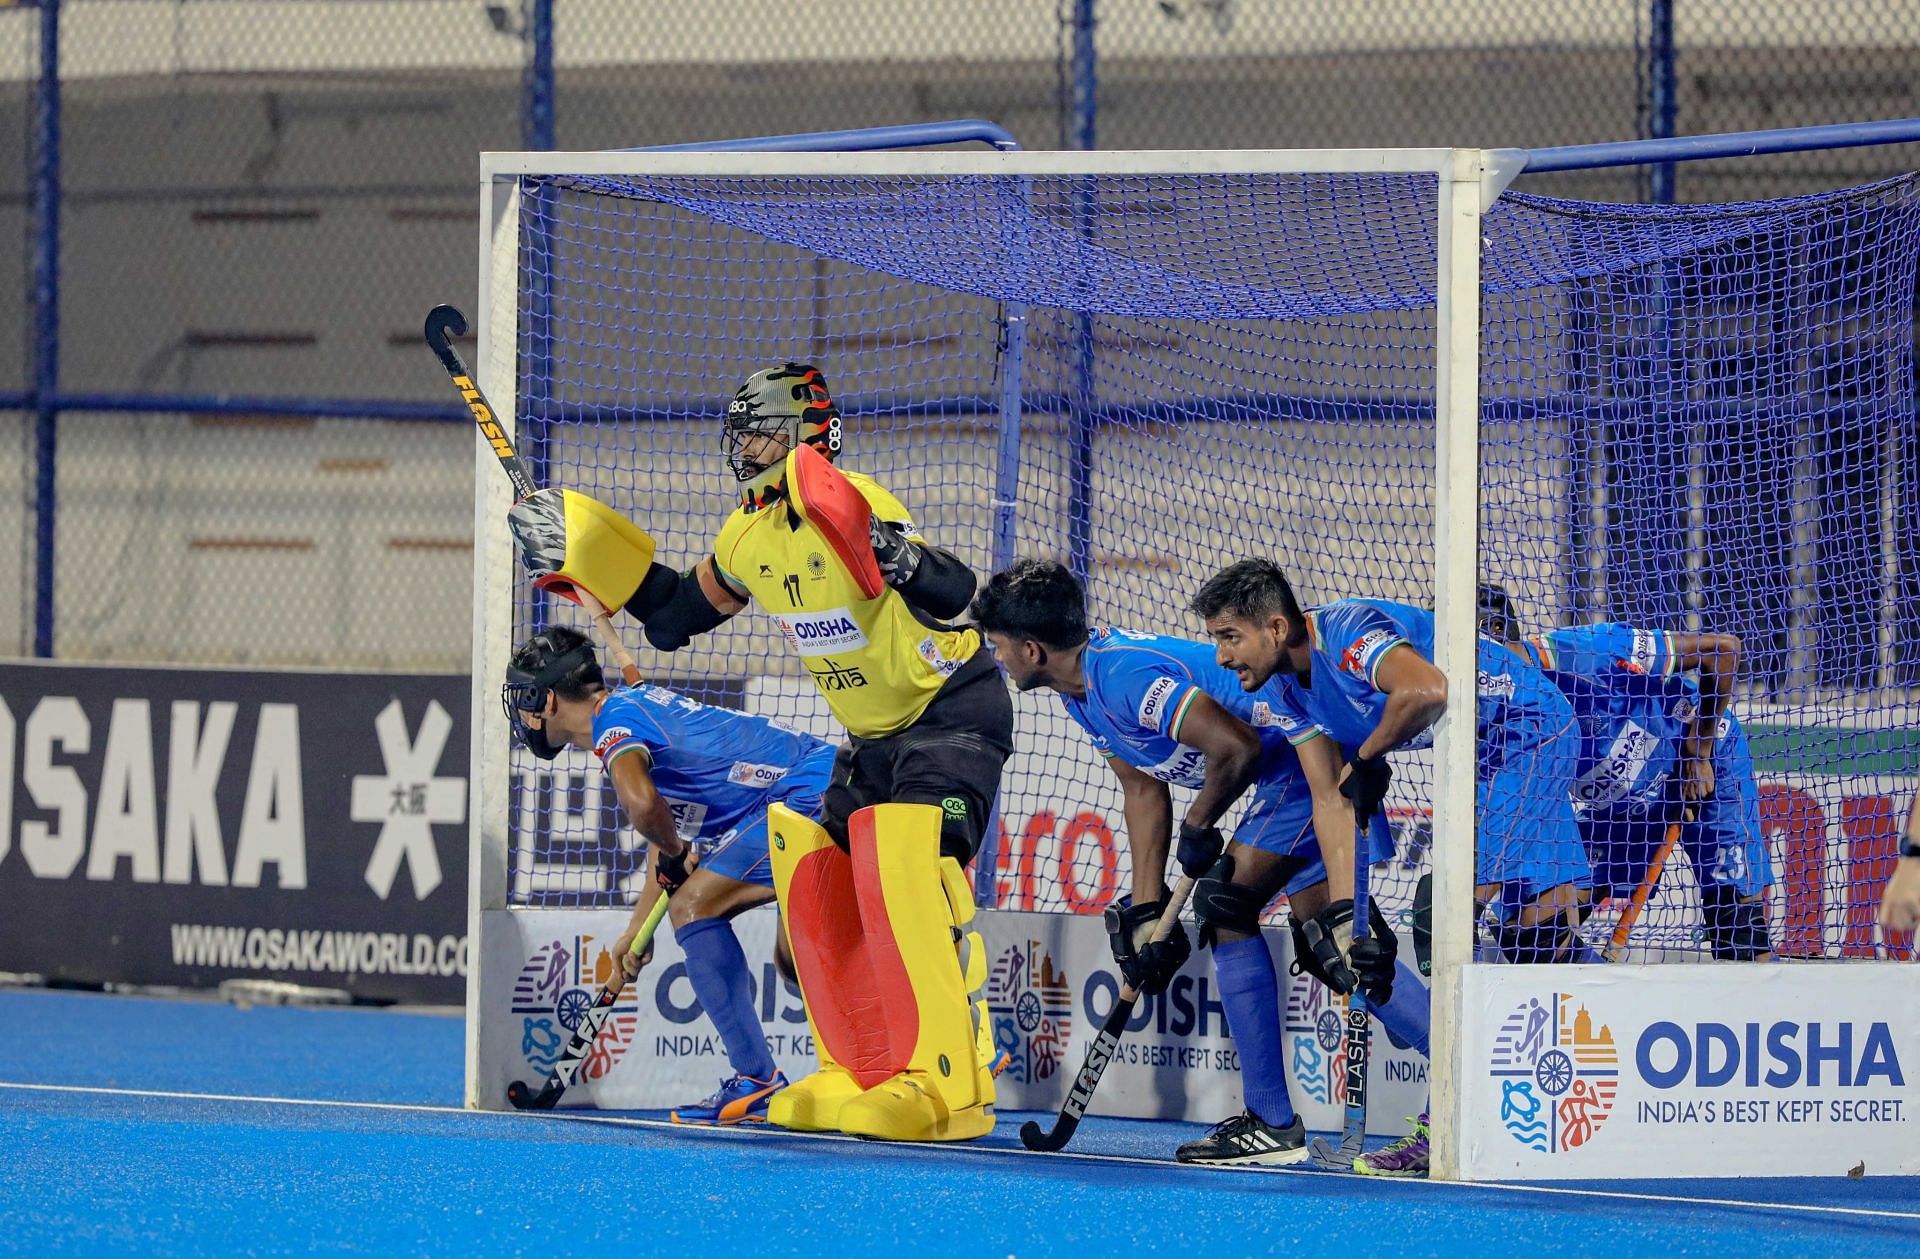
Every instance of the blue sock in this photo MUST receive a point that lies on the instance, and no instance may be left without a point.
(1250, 994)
(717, 968)
(1409, 1014)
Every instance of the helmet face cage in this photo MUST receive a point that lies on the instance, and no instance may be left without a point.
(789, 402)
(525, 692)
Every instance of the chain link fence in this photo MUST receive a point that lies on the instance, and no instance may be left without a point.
(256, 462)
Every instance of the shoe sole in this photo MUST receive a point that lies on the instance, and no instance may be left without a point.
(674, 1118)
(1364, 1170)
(1267, 1158)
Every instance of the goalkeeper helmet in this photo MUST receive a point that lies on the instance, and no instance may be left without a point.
(790, 403)
(536, 669)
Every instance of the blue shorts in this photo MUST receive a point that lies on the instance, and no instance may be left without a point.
(1280, 820)
(741, 853)
(1529, 839)
(1724, 842)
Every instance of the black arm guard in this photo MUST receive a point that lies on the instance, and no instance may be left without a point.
(655, 589)
(685, 612)
(941, 586)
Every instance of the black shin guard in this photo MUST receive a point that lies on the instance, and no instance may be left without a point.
(1549, 941)
(1423, 925)
(1221, 905)
(1736, 927)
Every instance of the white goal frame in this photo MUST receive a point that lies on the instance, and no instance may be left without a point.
(1468, 181)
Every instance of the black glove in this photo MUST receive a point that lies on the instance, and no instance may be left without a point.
(1366, 785)
(1200, 847)
(1373, 962)
(1324, 936)
(670, 869)
(898, 556)
(1147, 967)
(539, 525)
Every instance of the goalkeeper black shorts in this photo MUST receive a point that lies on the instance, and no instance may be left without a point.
(950, 758)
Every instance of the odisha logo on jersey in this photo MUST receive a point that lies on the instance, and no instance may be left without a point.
(552, 995)
(1031, 1005)
(822, 633)
(1557, 1073)
(1316, 1040)
(1154, 702)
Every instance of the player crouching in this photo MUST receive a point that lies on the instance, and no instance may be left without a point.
(665, 752)
(1161, 711)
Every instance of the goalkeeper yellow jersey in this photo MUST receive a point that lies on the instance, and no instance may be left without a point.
(875, 661)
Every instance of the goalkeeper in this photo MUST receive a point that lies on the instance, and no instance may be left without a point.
(874, 895)
(1658, 748)
(1161, 711)
(674, 763)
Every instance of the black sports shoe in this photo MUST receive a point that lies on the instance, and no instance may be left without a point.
(1246, 1140)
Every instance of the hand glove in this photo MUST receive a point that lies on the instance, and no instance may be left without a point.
(1374, 961)
(1200, 847)
(1365, 784)
(539, 525)
(670, 869)
(1147, 967)
(1328, 936)
(897, 555)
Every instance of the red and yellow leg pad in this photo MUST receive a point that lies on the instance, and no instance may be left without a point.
(913, 933)
(819, 910)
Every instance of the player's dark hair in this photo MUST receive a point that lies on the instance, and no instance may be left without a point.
(583, 681)
(1495, 609)
(1251, 589)
(1036, 599)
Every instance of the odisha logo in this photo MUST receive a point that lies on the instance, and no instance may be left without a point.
(1316, 1032)
(1031, 1005)
(553, 992)
(1557, 1074)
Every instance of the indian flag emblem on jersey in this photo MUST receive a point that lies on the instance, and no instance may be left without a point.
(553, 993)
(1557, 1073)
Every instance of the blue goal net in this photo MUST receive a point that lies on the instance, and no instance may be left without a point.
(1696, 426)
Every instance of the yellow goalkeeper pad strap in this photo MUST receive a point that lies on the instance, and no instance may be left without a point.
(607, 554)
(912, 941)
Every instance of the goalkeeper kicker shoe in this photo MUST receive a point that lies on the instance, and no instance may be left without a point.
(1246, 1140)
(1406, 1157)
(740, 1099)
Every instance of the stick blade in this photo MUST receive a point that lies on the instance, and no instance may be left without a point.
(1041, 1140)
(520, 1097)
(445, 322)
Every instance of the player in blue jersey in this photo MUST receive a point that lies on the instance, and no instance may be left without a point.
(1163, 714)
(1658, 749)
(686, 774)
(1363, 671)
(1341, 666)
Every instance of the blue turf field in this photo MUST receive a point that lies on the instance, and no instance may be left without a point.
(133, 1125)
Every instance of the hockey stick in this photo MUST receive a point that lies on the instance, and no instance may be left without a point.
(567, 1069)
(444, 323)
(1101, 1051)
(1622, 930)
(1353, 1131)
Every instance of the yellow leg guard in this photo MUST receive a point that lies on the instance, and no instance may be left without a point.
(820, 913)
(912, 923)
